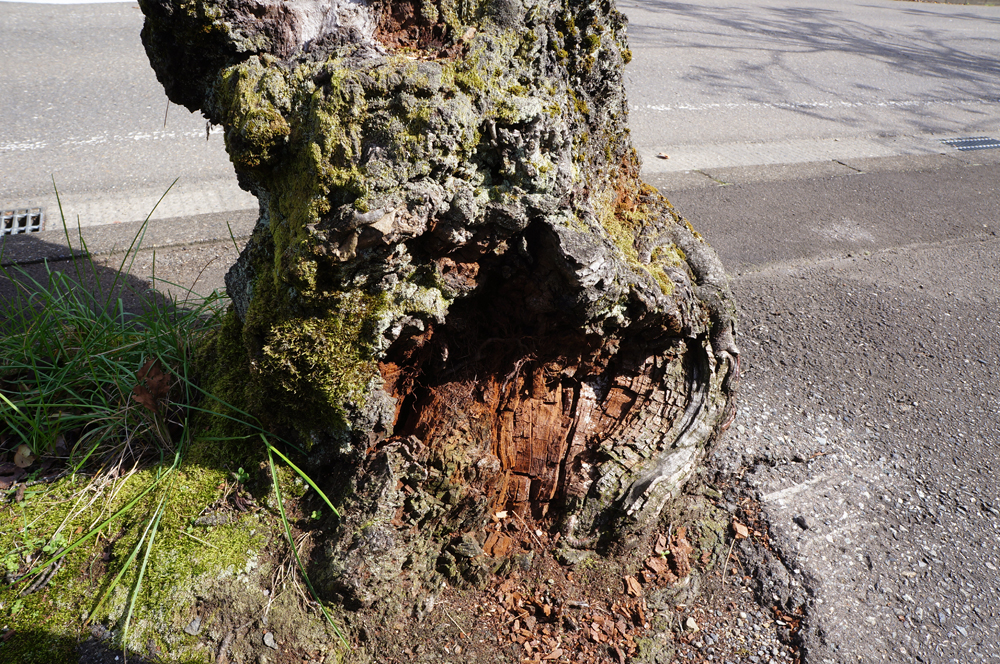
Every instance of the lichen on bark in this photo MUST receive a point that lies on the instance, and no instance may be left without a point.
(460, 295)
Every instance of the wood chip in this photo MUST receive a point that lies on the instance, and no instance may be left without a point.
(742, 532)
(657, 564)
(632, 586)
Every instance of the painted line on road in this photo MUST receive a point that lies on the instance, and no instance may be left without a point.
(66, 2)
(796, 151)
(808, 105)
(105, 138)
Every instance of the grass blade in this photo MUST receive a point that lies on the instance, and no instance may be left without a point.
(96, 529)
(118, 577)
(301, 473)
(295, 551)
(145, 560)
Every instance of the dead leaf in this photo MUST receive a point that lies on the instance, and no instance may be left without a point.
(661, 544)
(7, 481)
(19, 496)
(632, 586)
(742, 532)
(23, 457)
(153, 387)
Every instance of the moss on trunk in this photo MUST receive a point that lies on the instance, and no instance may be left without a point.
(459, 297)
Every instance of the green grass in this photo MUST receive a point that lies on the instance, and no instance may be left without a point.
(70, 356)
(94, 391)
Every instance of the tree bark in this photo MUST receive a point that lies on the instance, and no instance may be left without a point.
(459, 295)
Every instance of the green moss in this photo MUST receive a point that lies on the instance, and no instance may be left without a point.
(666, 285)
(255, 128)
(429, 11)
(182, 563)
(665, 256)
(322, 364)
(468, 80)
(291, 370)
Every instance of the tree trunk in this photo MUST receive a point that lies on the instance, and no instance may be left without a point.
(460, 295)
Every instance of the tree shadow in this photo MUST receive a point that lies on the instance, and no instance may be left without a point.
(123, 285)
(121, 267)
(961, 68)
(40, 646)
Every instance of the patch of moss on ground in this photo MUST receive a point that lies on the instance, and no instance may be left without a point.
(183, 561)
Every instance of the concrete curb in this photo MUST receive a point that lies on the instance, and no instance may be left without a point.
(668, 182)
(110, 238)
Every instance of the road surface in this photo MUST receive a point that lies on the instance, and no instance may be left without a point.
(82, 107)
(720, 83)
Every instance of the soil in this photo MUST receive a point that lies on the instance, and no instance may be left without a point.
(678, 592)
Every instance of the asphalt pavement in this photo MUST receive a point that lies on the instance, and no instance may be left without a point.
(868, 420)
(82, 112)
(867, 427)
(868, 287)
(723, 83)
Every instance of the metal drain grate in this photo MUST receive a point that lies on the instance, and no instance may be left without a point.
(973, 143)
(15, 222)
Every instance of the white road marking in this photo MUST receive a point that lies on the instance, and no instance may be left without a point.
(99, 139)
(806, 105)
(792, 151)
(184, 199)
(67, 2)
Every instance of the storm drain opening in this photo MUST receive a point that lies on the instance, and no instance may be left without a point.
(973, 143)
(16, 222)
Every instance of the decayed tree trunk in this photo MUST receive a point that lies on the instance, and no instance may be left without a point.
(459, 293)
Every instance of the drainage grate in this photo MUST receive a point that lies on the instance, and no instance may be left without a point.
(973, 143)
(15, 222)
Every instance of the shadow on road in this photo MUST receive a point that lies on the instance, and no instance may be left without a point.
(776, 33)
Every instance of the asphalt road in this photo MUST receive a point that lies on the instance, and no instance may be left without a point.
(868, 281)
(719, 83)
(867, 428)
(869, 287)
(82, 107)
(713, 84)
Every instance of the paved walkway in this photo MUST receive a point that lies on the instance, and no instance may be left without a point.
(869, 294)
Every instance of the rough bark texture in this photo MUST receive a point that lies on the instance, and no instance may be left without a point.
(459, 293)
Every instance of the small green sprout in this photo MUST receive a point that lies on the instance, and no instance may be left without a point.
(241, 476)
